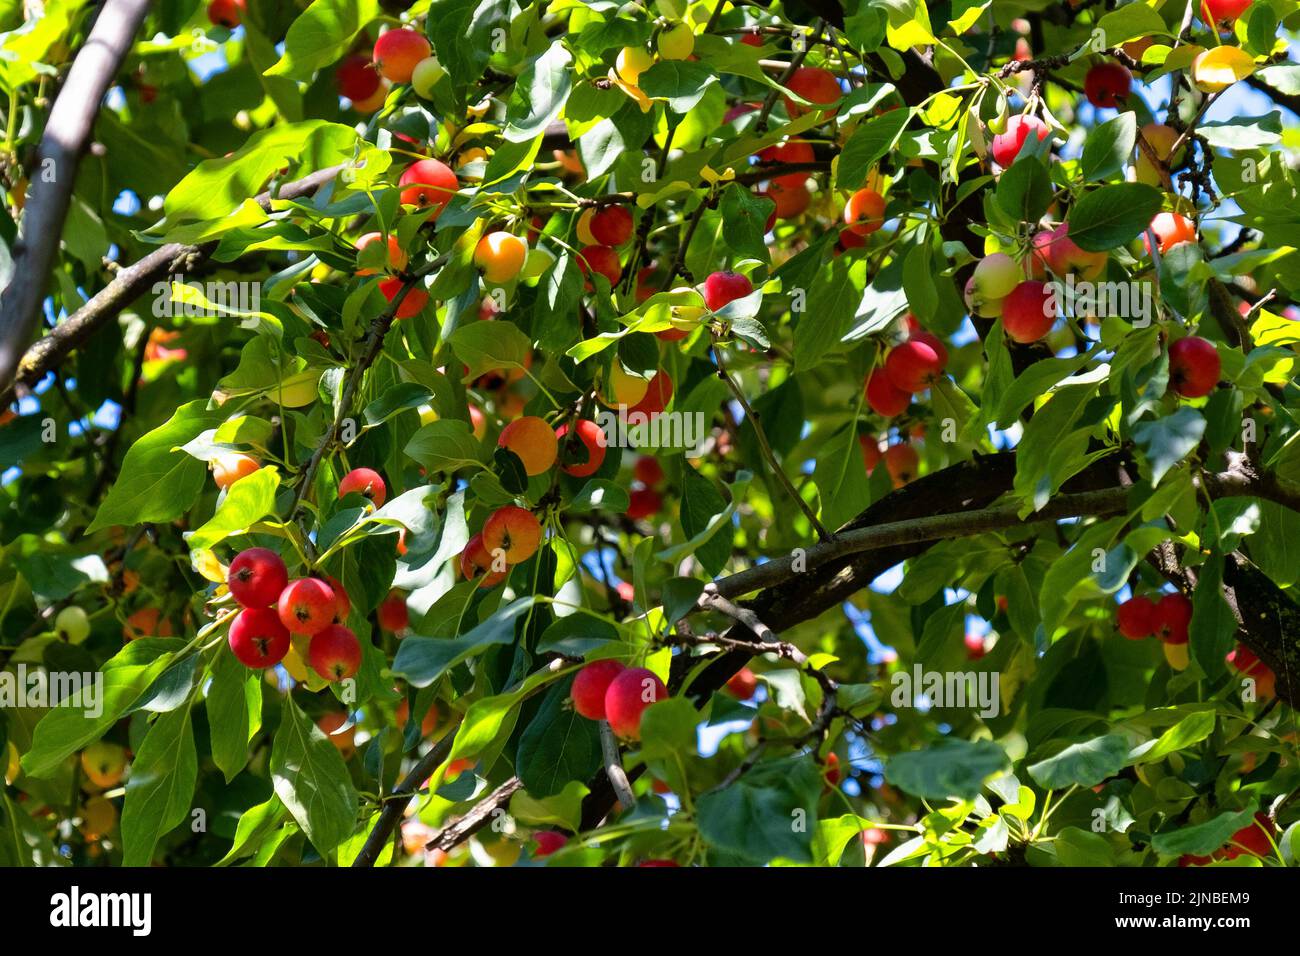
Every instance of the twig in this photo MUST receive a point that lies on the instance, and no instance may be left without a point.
(395, 806)
(795, 62)
(614, 766)
(753, 418)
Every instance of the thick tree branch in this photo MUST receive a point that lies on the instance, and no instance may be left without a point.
(66, 134)
(128, 285)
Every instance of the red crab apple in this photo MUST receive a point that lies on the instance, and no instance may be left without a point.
(256, 577)
(813, 84)
(342, 603)
(723, 288)
(884, 397)
(789, 198)
(1107, 85)
(912, 366)
(307, 606)
(1223, 11)
(657, 395)
(513, 530)
(742, 684)
(1029, 311)
(590, 685)
(393, 615)
(1058, 252)
(334, 653)
(627, 698)
(1006, 145)
(787, 153)
(356, 78)
(585, 456)
(1135, 618)
(934, 342)
(365, 482)
(603, 261)
(412, 304)
(428, 183)
(397, 52)
(1194, 367)
(648, 471)
(227, 13)
(257, 638)
(1254, 838)
(1172, 615)
(548, 841)
(611, 226)
(974, 646)
(643, 503)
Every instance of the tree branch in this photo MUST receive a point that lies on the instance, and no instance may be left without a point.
(66, 134)
(128, 285)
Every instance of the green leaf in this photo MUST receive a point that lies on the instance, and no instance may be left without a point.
(950, 768)
(488, 346)
(446, 445)
(321, 35)
(558, 746)
(160, 787)
(701, 501)
(422, 660)
(1129, 21)
(247, 501)
(1083, 764)
(157, 483)
(1192, 729)
(539, 94)
(1167, 441)
(1243, 132)
(66, 729)
(312, 780)
(1109, 147)
(680, 82)
(870, 142)
(1108, 217)
(1202, 838)
(234, 709)
(745, 217)
(1025, 190)
(768, 813)
(255, 825)
(1212, 632)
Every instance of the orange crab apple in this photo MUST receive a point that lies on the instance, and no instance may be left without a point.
(396, 256)
(228, 469)
(500, 255)
(476, 559)
(533, 440)
(864, 213)
(515, 531)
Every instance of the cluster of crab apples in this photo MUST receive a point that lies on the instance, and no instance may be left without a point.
(1169, 617)
(275, 610)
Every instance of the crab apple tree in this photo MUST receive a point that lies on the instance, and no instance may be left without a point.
(470, 433)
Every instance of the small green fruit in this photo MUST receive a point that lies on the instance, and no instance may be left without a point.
(426, 76)
(72, 624)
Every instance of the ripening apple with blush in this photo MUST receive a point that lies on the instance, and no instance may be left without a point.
(723, 288)
(398, 52)
(428, 184)
(534, 441)
(1029, 311)
(335, 653)
(256, 577)
(307, 605)
(515, 531)
(365, 482)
